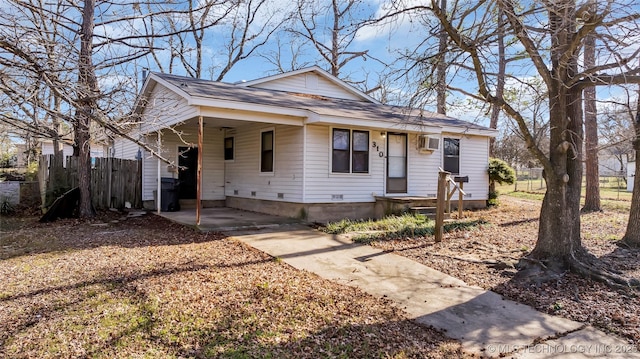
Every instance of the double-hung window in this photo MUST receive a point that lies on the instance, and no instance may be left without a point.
(350, 151)
(451, 155)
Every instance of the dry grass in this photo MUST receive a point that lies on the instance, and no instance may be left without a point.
(149, 288)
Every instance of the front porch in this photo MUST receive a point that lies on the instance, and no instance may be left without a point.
(225, 219)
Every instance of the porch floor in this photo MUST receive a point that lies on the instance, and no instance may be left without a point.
(224, 219)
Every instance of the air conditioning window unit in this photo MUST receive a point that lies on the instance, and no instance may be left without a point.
(428, 143)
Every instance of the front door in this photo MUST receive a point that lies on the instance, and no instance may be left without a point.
(397, 163)
(188, 163)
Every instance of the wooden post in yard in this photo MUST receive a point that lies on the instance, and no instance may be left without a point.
(199, 171)
(441, 203)
(460, 198)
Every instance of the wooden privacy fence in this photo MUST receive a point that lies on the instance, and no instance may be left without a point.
(114, 181)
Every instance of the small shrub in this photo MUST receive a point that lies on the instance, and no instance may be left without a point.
(6, 208)
(32, 172)
(493, 198)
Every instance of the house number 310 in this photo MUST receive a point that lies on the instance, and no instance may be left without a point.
(377, 148)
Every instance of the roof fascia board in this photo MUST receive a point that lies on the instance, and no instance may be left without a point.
(245, 106)
(470, 131)
(248, 116)
(376, 124)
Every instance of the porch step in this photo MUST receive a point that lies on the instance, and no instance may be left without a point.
(429, 212)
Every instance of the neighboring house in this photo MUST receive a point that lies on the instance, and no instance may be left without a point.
(299, 144)
(610, 165)
(46, 148)
(631, 170)
(97, 150)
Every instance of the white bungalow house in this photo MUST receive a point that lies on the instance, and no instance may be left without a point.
(299, 144)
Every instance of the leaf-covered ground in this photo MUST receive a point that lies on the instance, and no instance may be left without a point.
(485, 256)
(144, 287)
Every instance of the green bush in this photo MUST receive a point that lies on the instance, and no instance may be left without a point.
(499, 172)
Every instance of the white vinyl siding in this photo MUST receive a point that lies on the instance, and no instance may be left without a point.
(631, 171)
(308, 83)
(474, 162)
(422, 169)
(165, 108)
(323, 186)
(125, 149)
(212, 161)
(243, 174)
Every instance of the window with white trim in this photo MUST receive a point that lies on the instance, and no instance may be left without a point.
(350, 151)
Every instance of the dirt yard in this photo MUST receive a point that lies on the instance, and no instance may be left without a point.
(144, 287)
(485, 257)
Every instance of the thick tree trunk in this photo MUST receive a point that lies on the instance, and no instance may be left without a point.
(87, 84)
(559, 246)
(559, 242)
(632, 236)
(592, 193)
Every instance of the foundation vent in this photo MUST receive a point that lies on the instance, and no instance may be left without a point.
(337, 197)
(468, 195)
(235, 192)
(253, 193)
(281, 195)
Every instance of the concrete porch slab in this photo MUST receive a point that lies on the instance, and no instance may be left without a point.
(224, 219)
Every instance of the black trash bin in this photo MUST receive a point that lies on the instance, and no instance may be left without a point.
(170, 201)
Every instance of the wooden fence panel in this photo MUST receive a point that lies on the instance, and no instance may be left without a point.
(114, 181)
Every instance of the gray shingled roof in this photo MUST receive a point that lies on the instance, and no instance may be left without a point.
(320, 105)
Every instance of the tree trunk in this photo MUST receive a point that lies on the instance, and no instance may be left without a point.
(87, 84)
(441, 67)
(559, 246)
(632, 236)
(500, 82)
(592, 193)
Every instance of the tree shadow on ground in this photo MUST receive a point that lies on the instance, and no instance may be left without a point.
(622, 260)
(115, 315)
(26, 236)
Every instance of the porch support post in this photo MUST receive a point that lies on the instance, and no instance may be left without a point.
(159, 189)
(199, 171)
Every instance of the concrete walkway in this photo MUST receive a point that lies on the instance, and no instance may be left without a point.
(483, 321)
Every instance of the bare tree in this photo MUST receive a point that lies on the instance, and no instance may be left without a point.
(553, 26)
(592, 176)
(615, 128)
(330, 29)
(51, 64)
(500, 77)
